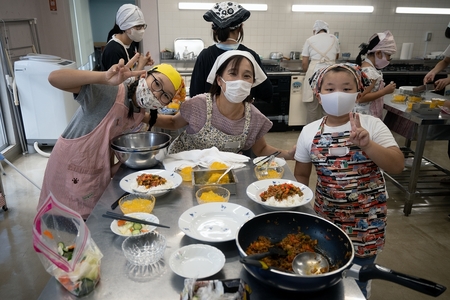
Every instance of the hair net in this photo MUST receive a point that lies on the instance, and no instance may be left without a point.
(362, 79)
(226, 14)
(386, 43)
(320, 25)
(128, 16)
(260, 76)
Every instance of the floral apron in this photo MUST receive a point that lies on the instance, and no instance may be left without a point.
(209, 136)
(80, 169)
(350, 190)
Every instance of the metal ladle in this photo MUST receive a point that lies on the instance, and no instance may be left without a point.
(310, 263)
(224, 173)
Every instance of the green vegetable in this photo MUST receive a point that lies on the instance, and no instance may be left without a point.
(137, 226)
(61, 248)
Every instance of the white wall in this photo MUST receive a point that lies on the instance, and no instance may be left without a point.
(280, 29)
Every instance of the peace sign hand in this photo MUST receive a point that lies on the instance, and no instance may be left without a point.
(118, 73)
(358, 135)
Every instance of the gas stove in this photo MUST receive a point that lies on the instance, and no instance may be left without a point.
(274, 68)
(407, 67)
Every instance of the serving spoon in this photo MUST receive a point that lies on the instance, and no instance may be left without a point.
(224, 173)
(310, 263)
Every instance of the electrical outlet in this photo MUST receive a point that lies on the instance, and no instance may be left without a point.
(428, 36)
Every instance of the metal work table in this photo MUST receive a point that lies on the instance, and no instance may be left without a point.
(417, 180)
(117, 276)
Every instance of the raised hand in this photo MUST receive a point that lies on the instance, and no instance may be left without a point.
(358, 135)
(118, 73)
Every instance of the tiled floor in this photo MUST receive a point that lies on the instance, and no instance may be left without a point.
(417, 245)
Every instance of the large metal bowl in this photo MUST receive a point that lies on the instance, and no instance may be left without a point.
(142, 159)
(141, 141)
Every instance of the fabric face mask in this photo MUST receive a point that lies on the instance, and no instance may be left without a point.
(381, 63)
(338, 103)
(136, 35)
(237, 90)
(145, 97)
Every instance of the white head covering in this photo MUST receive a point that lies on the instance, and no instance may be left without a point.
(128, 16)
(260, 76)
(320, 25)
(386, 43)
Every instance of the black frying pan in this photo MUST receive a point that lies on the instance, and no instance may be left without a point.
(332, 242)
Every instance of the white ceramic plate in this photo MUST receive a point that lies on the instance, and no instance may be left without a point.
(280, 161)
(197, 261)
(257, 187)
(214, 222)
(129, 184)
(141, 216)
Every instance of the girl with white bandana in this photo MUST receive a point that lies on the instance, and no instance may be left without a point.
(377, 56)
(224, 117)
(124, 38)
(82, 163)
(349, 152)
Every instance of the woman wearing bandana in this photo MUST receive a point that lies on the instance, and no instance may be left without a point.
(82, 163)
(349, 152)
(224, 117)
(227, 26)
(378, 54)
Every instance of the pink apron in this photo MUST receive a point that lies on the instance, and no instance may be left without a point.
(350, 190)
(80, 169)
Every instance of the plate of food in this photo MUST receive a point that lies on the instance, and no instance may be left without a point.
(197, 261)
(214, 222)
(276, 162)
(156, 182)
(279, 194)
(127, 228)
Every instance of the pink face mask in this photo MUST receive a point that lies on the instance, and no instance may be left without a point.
(381, 63)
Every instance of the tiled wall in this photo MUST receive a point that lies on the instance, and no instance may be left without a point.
(279, 29)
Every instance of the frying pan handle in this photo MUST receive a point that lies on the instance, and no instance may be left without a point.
(375, 271)
(253, 262)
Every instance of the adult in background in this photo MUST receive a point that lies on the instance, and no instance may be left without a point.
(124, 38)
(320, 50)
(227, 28)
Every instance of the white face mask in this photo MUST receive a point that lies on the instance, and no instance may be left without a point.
(145, 97)
(136, 35)
(338, 103)
(236, 91)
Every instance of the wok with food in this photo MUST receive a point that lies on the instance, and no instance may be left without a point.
(327, 239)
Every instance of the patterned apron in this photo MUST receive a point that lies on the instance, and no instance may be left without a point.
(80, 169)
(350, 190)
(209, 136)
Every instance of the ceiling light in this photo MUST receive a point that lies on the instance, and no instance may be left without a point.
(423, 10)
(332, 8)
(207, 6)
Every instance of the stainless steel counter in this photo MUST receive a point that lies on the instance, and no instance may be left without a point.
(117, 277)
(417, 180)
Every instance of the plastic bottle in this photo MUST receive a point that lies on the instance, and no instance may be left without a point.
(185, 53)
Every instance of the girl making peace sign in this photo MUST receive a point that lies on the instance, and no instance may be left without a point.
(349, 152)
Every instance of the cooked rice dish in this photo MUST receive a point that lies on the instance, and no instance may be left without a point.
(294, 200)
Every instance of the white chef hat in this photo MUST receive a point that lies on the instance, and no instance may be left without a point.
(128, 16)
(260, 76)
(320, 25)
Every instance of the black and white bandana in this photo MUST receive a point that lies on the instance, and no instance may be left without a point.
(226, 14)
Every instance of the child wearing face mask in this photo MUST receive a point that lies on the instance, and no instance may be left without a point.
(377, 53)
(124, 38)
(224, 117)
(349, 152)
(82, 163)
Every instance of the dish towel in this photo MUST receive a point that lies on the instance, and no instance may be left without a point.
(203, 158)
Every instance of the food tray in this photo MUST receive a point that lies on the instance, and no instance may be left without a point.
(424, 109)
(200, 179)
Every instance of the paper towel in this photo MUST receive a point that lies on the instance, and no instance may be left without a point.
(407, 49)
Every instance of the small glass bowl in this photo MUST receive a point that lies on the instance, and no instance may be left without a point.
(144, 249)
(212, 194)
(269, 173)
(137, 203)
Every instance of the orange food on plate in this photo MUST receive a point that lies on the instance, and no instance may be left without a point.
(150, 180)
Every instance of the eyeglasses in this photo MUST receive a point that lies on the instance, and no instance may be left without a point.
(157, 86)
(139, 27)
